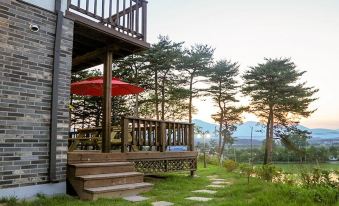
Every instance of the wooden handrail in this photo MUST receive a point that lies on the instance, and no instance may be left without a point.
(125, 17)
(156, 134)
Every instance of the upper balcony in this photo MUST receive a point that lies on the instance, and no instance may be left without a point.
(120, 25)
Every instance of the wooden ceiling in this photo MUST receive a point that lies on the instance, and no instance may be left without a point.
(91, 40)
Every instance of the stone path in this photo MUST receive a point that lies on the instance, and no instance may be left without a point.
(215, 186)
(200, 199)
(205, 191)
(135, 198)
(162, 203)
(216, 183)
(138, 198)
(220, 183)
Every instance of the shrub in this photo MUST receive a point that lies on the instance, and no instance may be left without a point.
(213, 160)
(247, 170)
(210, 159)
(317, 177)
(230, 165)
(269, 173)
(10, 201)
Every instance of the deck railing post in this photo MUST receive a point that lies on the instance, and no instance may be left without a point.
(124, 136)
(191, 137)
(68, 4)
(162, 136)
(144, 20)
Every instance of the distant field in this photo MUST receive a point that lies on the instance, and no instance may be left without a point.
(294, 167)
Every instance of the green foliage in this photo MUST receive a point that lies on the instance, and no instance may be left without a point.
(223, 89)
(230, 165)
(195, 62)
(277, 96)
(246, 169)
(176, 187)
(10, 201)
(268, 172)
(317, 177)
(210, 159)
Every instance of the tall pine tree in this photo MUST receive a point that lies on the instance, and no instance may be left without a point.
(277, 96)
(223, 90)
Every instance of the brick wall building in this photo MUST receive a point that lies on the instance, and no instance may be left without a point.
(26, 79)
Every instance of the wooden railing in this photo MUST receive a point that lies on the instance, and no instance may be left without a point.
(126, 16)
(155, 134)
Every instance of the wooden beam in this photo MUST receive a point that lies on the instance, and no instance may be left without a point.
(98, 53)
(109, 31)
(107, 103)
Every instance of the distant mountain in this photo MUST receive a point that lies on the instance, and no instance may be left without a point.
(205, 126)
(244, 130)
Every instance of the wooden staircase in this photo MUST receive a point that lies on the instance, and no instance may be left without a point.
(91, 181)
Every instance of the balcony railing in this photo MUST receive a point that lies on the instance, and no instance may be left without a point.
(126, 16)
(137, 132)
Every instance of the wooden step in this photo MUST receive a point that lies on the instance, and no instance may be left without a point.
(102, 180)
(81, 169)
(117, 190)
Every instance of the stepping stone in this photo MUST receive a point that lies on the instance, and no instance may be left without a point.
(200, 199)
(162, 203)
(220, 183)
(135, 198)
(212, 176)
(214, 179)
(205, 191)
(216, 186)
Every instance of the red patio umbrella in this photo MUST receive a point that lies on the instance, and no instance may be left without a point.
(94, 86)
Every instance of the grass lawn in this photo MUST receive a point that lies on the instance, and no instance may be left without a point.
(176, 187)
(294, 167)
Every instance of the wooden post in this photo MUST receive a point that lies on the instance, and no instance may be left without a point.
(107, 103)
(124, 138)
(191, 146)
(191, 137)
(162, 136)
(144, 20)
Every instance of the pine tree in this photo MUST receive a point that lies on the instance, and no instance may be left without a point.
(277, 96)
(223, 90)
(163, 59)
(195, 62)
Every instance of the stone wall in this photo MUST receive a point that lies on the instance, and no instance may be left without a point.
(26, 68)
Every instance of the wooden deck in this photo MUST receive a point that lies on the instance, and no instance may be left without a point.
(93, 175)
(147, 143)
(118, 25)
(146, 162)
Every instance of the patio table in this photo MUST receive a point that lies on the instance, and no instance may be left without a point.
(92, 137)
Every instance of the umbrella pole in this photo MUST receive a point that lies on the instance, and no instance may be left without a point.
(107, 104)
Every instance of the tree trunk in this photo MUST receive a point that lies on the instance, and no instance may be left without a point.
(269, 138)
(266, 143)
(156, 95)
(222, 148)
(270, 143)
(220, 137)
(221, 118)
(163, 99)
(190, 101)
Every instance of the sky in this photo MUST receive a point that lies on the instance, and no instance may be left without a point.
(247, 31)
